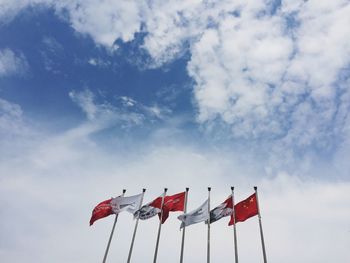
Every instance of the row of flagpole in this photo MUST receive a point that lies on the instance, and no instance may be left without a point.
(184, 228)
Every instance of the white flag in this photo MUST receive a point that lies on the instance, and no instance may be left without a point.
(127, 203)
(196, 216)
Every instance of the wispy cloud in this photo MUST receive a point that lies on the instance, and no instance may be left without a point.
(124, 110)
(12, 63)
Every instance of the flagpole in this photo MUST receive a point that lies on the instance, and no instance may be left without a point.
(111, 235)
(208, 245)
(135, 228)
(184, 228)
(159, 226)
(234, 225)
(260, 225)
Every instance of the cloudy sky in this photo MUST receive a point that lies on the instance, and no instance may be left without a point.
(97, 96)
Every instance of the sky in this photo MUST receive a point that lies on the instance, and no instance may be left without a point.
(99, 96)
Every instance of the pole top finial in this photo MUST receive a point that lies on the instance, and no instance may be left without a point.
(144, 190)
(165, 189)
(187, 189)
(255, 188)
(124, 190)
(232, 188)
(209, 188)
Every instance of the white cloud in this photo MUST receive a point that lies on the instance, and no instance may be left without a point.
(49, 191)
(12, 63)
(85, 100)
(252, 72)
(50, 183)
(105, 20)
(256, 72)
(12, 123)
(262, 74)
(103, 115)
(98, 62)
(125, 112)
(266, 82)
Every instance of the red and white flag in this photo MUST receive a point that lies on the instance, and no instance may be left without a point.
(149, 210)
(115, 206)
(171, 203)
(222, 210)
(102, 210)
(245, 209)
(126, 203)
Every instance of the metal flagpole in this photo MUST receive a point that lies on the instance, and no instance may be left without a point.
(135, 228)
(260, 225)
(111, 235)
(183, 229)
(234, 225)
(159, 226)
(208, 245)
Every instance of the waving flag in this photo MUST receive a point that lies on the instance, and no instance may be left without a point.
(102, 210)
(173, 203)
(195, 216)
(245, 209)
(222, 210)
(149, 210)
(128, 203)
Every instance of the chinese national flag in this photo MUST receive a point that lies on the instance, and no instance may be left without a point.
(102, 210)
(245, 209)
(173, 203)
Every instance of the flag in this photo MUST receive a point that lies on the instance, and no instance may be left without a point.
(128, 203)
(149, 210)
(245, 209)
(102, 210)
(195, 216)
(222, 210)
(173, 203)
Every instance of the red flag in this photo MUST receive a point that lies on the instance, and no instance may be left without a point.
(173, 203)
(245, 209)
(102, 210)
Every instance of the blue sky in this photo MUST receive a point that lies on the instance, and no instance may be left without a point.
(97, 96)
(60, 60)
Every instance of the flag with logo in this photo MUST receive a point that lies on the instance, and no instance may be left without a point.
(222, 210)
(173, 203)
(195, 216)
(102, 210)
(126, 203)
(149, 210)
